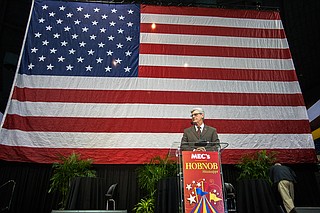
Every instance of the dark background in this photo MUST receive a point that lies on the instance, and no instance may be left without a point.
(301, 23)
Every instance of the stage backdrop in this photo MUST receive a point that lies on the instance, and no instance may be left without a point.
(116, 83)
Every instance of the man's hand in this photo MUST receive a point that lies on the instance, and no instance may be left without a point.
(202, 149)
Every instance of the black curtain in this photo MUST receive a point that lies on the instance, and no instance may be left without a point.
(31, 189)
(300, 20)
(32, 184)
(256, 196)
(126, 177)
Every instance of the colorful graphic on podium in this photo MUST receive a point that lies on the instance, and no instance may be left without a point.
(202, 183)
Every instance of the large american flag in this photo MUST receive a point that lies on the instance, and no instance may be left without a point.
(116, 83)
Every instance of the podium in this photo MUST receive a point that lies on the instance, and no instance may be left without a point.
(201, 177)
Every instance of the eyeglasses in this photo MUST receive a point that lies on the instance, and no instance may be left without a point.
(195, 114)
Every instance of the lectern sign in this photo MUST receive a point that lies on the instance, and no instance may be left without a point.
(202, 182)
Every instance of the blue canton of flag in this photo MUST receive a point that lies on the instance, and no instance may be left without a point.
(82, 39)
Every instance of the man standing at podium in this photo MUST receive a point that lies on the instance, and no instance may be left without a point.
(199, 131)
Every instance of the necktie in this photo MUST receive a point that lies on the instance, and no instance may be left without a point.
(199, 131)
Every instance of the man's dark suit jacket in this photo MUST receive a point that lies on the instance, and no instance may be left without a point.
(208, 134)
(190, 135)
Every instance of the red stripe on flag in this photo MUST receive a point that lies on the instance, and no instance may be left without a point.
(156, 97)
(137, 156)
(233, 156)
(236, 52)
(151, 125)
(212, 30)
(218, 12)
(217, 73)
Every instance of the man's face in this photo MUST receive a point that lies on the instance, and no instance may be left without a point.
(197, 117)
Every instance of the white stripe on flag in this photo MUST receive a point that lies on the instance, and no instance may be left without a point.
(220, 41)
(211, 21)
(96, 110)
(215, 62)
(157, 84)
(147, 140)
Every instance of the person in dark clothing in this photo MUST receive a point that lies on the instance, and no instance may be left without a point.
(284, 179)
(199, 131)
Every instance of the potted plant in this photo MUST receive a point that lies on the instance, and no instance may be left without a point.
(256, 166)
(145, 205)
(67, 168)
(148, 177)
(254, 190)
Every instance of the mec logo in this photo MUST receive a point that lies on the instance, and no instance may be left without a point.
(200, 156)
